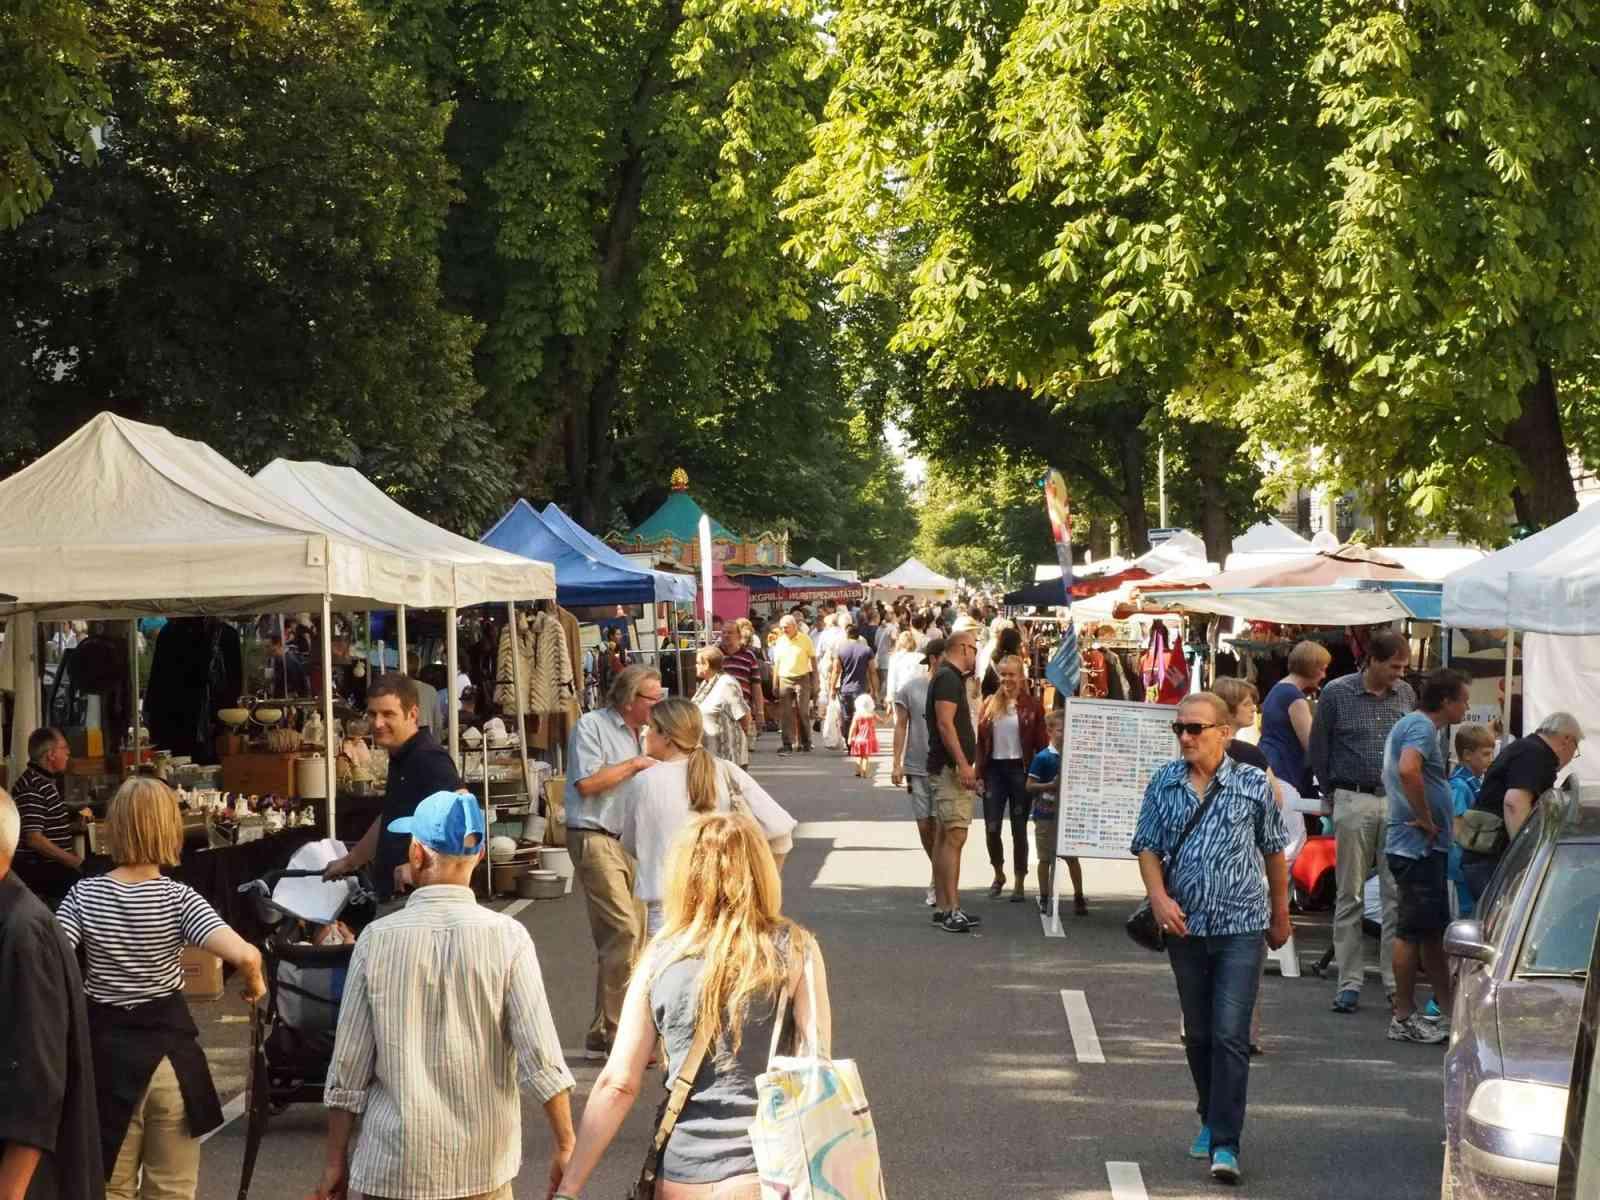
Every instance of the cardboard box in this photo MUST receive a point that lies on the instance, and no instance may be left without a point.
(259, 774)
(202, 974)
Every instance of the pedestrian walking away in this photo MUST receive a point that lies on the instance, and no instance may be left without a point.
(718, 970)
(688, 781)
(1417, 841)
(153, 1085)
(1348, 736)
(1010, 732)
(952, 753)
(603, 756)
(425, 982)
(49, 1130)
(1221, 902)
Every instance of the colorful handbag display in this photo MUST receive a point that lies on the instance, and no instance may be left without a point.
(813, 1133)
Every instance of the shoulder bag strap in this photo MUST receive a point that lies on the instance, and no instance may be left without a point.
(681, 1087)
(1189, 828)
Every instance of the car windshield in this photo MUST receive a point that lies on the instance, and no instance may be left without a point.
(1561, 933)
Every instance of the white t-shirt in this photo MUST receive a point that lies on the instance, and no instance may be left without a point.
(656, 807)
(1007, 737)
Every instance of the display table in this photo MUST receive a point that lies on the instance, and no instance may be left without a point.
(217, 874)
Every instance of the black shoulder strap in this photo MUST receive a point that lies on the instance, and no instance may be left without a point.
(1193, 821)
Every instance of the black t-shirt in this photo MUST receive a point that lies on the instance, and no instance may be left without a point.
(1250, 756)
(416, 770)
(950, 686)
(1527, 763)
(854, 659)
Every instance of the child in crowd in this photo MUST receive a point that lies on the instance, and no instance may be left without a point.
(1475, 751)
(864, 733)
(1044, 774)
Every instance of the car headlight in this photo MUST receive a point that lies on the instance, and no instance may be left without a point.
(1531, 1108)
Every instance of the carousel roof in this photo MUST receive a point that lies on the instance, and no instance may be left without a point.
(677, 518)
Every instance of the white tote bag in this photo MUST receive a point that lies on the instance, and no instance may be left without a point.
(813, 1133)
(833, 726)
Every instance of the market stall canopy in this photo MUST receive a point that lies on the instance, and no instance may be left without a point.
(816, 566)
(1350, 561)
(913, 576)
(795, 585)
(579, 578)
(1350, 602)
(1434, 563)
(124, 519)
(1269, 541)
(1547, 583)
(1183, 551)
(346, 501)
(669, 586)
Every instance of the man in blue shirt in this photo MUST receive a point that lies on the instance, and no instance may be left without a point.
(1226, 890)
(1417, 841)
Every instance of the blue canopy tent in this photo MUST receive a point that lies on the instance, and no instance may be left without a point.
(668, 586)
(580, 579)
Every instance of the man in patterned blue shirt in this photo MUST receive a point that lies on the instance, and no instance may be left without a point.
(1221, 902)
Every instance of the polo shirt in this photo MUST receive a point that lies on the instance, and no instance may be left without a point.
(417, 769)
(39, 804)
(793, 657)
(599, 739)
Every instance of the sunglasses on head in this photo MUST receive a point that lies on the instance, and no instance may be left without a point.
(1192, 728)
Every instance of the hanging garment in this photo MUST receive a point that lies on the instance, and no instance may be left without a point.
(1095, 675)
(195, 671)
(1166, 671)
(541, 646)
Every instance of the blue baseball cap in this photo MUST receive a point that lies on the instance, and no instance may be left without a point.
(446, 823)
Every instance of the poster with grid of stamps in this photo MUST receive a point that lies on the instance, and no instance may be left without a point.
(1109, 751)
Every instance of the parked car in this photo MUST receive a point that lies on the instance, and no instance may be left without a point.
(1523, 961)
(1579, 1176)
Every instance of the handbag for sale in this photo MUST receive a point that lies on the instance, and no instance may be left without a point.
(1141, 925)
(644, 1187)
(813, 1134)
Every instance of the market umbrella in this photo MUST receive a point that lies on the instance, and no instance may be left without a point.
(1350, 561)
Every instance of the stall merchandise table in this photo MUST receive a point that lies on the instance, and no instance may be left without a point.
(217, 874)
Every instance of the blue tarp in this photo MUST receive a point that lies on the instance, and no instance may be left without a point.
(669, 586)
(580, 579)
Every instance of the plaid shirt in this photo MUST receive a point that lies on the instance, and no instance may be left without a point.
(1350, 731)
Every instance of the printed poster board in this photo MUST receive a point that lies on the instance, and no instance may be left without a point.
(1109, 751)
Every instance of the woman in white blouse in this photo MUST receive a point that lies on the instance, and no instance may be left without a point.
(723, 711)
(687, 781)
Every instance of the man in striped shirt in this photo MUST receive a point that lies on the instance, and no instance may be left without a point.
(444, 1010)
(741, 662)
(45, 861)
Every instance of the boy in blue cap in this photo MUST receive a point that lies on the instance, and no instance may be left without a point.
(440, 974)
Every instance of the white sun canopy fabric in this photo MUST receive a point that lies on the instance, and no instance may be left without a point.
(345, 501)
(913, 576)
(125, 519)
(1547, 583)
(1330, 605)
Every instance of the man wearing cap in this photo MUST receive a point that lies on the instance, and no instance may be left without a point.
(444, 1011)
(602, 756)
(911, 752)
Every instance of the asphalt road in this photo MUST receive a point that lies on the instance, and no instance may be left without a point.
(979, 1085)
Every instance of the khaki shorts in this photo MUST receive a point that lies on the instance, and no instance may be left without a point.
(952, 803)
(1044, 839)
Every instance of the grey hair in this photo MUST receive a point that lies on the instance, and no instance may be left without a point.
(625, 687)
(1561, 724)
(431, 858)
(10, 825)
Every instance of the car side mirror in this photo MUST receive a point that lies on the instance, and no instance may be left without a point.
(1465, 939)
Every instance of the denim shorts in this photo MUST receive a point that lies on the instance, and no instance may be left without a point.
(1422, 908)
(920, 789)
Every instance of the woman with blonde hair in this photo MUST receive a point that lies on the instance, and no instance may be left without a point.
(721, 964)
(1286, 714)
(1011, 730)
(722, 706)
(154, 1088)
(687, 781)
(905, 663)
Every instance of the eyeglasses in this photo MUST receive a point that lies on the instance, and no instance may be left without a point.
(1192, 728)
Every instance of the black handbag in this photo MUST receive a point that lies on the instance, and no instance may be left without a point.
(1141, 925)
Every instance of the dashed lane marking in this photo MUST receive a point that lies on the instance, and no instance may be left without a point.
(1127, 1183)
(231, 1112)
(515, 907)
(1085, 1041)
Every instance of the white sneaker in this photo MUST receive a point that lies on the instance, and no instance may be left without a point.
(930, 899)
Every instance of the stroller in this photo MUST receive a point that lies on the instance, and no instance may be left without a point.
(291, 1036)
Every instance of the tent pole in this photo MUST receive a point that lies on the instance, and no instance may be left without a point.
(450, 684)
(401, 634)
(331, 774)
(133, 689)
(1505, 703)
(522, 718)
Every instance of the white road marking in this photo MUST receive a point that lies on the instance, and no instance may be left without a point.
(231, 1112)
(1126, 1181)
(1085, 1041)
(515, 907)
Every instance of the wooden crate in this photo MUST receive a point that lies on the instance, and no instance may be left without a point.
(259, 774)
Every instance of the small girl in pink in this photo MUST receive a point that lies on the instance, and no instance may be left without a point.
(864, 734)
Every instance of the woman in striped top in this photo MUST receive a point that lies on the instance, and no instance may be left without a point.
(154, 1088)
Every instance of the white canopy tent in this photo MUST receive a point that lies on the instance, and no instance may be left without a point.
(913, 577)
(1546, 587)
(124, 519)
(343, 499)
(1266, 542)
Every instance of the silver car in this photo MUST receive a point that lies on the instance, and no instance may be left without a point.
(1522, 963)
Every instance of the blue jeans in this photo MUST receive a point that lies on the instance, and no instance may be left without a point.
(1217, 981)
(1005, 795)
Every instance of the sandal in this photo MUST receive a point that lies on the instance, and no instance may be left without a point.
(1080, 906)
(995, 888)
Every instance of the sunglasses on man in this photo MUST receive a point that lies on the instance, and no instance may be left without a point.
(1192, 728)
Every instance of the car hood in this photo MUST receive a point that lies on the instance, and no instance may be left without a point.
(1538, 1024)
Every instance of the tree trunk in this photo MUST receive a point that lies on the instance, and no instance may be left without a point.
(1216, 527)
(1535, 437)
(1131, 451)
